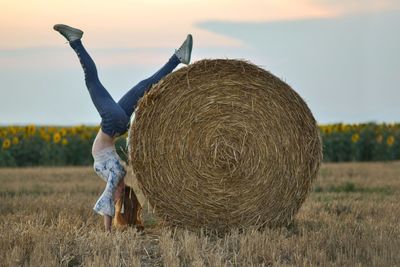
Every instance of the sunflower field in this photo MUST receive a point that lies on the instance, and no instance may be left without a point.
(59, 146)
(49, 145)
(361, 142)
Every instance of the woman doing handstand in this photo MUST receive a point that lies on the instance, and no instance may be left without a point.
(115, 116)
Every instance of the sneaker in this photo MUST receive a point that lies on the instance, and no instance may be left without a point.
(184, 52)
(71, 34)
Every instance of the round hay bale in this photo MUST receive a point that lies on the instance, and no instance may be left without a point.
(221, 144)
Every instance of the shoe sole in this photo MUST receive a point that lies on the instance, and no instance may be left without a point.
(190, 44)
(61, 27)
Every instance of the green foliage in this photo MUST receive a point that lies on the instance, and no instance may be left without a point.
(49, 146)
(361, 142)
(58, 146)
(349, 187)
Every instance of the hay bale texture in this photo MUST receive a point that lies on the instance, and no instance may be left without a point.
(222, 144)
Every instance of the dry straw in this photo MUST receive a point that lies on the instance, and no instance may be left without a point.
(221, 144)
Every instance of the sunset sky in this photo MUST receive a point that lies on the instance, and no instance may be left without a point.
(342, 57)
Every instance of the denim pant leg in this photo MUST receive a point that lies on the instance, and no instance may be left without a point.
(129, 100)
(114, 121)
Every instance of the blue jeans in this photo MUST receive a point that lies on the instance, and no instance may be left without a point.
(115, 117)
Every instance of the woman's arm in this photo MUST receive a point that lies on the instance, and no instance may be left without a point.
(117, 195)
(107, 223)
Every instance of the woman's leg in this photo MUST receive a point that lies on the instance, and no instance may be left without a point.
(115, 117)
(182, 55)
(114, 120)
(129, 100)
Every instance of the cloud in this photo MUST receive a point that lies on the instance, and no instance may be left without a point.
(345, 67)
(129, 23)
(358, 6)
(45, 85)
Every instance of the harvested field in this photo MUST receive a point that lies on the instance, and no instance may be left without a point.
(351, 218)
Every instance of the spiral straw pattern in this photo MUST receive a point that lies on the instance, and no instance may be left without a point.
(222, 144)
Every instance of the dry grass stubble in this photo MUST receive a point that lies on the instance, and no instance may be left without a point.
(351, 218)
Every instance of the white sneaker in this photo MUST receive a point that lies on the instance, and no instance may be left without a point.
(71, 34)
(185, 51)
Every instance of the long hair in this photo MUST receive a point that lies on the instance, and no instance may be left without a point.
(128, 211)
